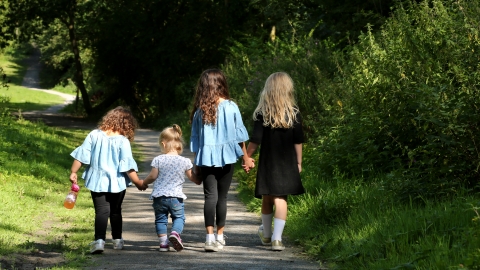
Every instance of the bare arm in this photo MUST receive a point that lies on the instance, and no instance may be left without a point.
(193, 177)
(132, 174)
(75, 167)
(298, 150)
(151, 177)
(252, 147)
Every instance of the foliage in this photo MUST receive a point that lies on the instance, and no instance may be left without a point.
(402, 101)
(412, 100)
(139, 52)
(391, 164)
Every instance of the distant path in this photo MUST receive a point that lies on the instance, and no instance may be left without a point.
(52, 115)
(32, 81)
(243, 250)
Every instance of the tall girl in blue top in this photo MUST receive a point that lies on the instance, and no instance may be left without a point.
(278, 128)
(107, 153)
(217, 140)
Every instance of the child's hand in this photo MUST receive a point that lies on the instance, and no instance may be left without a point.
(73, 178)
(248, 164)
(198, 182)
(196, 179)
(140, 185)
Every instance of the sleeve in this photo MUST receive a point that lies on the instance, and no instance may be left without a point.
(155, 163)
(194, 137)
(127, 162)
(188, 164)
(257, 130)
(298, 130)
(83, 153)
(241, 133)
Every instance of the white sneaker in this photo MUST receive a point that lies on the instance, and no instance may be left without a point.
(97, 246)
(211, 246)
(221, 244)
(117, 243)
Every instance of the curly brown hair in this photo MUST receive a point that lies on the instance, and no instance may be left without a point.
(211, 86)
(119, 120)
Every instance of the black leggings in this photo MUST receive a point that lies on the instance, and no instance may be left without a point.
(216, 184)
(108, 205)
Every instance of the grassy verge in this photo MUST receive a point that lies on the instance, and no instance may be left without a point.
(34, 170)
(355, 224)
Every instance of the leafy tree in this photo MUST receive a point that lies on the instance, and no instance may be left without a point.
(24, 14)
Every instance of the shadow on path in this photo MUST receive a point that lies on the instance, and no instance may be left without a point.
(243, 249)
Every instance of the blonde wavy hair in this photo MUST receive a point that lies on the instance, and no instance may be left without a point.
(277, 102)
(211, 86)
(172, 137)
(119, 120)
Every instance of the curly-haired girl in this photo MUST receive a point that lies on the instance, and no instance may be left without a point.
(110, 166)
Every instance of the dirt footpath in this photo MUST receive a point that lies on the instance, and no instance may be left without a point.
(243, 251)
(243, 248)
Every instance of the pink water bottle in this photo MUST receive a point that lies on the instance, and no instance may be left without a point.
(71, 198)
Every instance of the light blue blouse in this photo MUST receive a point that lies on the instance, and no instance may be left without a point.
(107, 159)
(217, 145)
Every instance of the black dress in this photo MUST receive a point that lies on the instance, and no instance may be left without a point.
(277, 173)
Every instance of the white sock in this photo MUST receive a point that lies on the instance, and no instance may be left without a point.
(219, 237)
(163, 240)
(210, 237)
(278, 225)
(267, 225)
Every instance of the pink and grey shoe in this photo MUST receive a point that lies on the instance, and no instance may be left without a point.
(164, 247)
(176, 241)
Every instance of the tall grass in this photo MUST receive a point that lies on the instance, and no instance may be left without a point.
(350, 223)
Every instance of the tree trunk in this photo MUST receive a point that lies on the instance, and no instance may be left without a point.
(78, 74)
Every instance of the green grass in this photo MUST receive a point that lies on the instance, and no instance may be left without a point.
(34, 180)
(34, 171)
(357, 224)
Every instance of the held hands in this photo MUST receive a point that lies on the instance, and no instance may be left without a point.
(196, 176)
(140, 185)
(196, 179)
(248, 163)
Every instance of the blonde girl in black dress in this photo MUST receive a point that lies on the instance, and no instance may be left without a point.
(278, 128)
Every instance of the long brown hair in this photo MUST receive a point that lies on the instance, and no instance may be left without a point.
(277, 102)
(211, 86)
(119, 120)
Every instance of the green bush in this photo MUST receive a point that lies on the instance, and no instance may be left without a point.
(401, 101)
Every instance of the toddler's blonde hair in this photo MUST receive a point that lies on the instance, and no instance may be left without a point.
(172, 137)
(277, 102)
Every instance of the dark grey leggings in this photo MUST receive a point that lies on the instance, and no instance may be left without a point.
(108, 205)
(216, 183)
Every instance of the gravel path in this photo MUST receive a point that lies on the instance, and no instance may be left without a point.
(243, 250)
